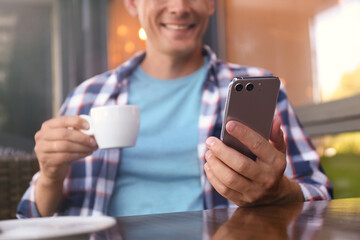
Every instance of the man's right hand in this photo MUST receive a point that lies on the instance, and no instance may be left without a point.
(59, 142)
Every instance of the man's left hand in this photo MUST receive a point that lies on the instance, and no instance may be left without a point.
(244, 181)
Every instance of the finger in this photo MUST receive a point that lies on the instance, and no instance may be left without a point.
(251, 139)
(226, 175)
(65, 134)
(250, 197)
(233, 159)
(59, 159)
(226, 192)
(62, 147)
(277, 136)
(66, 122)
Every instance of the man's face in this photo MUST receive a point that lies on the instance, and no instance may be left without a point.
(174, 27)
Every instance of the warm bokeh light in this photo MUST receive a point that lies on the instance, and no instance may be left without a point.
(115, 58)
(122, 30)
(309, 91)
(129, 47)
(123, 34)
(142, 34)
(337, 55)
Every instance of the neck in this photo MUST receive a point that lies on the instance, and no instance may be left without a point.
(165, 66)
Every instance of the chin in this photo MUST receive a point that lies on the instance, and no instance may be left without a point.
(182, 49)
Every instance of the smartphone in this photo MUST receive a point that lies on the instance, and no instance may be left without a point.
(251, 101)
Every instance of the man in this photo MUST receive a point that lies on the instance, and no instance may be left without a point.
(180, 88)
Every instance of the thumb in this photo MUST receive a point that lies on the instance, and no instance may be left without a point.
(277, 135)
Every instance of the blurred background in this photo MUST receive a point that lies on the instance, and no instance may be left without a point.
(47, 47)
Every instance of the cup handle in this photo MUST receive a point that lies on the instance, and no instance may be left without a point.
(90, 131)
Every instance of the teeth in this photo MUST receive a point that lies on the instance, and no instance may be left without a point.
(176, 27)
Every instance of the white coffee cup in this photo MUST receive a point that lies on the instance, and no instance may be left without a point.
(114, 126)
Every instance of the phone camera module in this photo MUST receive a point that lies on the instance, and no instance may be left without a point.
(239, 87)
(249, 87)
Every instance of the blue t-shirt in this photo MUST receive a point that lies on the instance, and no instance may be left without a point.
(162, 173)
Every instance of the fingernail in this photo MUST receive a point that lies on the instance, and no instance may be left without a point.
(210, 141)
(231, 126)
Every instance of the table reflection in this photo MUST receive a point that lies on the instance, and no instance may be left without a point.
(337, 219)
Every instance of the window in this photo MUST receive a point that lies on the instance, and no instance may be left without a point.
(25, 73)
(47, 48)
(337, 50)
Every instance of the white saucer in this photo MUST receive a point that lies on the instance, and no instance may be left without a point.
(51, 227)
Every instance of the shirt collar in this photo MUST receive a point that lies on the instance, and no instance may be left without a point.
(125, 70)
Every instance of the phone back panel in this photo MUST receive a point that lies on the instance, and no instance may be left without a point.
(253, 108)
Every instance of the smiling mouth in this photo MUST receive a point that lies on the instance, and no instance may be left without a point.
(178, 27)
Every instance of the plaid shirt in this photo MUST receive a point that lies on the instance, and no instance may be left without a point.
(89, 185)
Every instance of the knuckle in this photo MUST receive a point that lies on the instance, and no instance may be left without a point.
(230, 179)
(74, 120)
(243, 132)
(58, 146)
(45, 124)
(241, 167)
(269, 184)
(258, 144)
(226, 192)
(208, 155)
(37, 136)
(36, 148)
(216, 149)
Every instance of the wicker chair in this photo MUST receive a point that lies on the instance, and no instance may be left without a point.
(16, 172)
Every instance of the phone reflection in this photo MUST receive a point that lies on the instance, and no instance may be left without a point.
(295, 221)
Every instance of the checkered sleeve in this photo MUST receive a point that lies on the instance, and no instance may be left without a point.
(303, 162)
(27, 207)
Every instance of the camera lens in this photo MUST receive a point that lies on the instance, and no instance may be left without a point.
(249, 87)
(239, 87)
